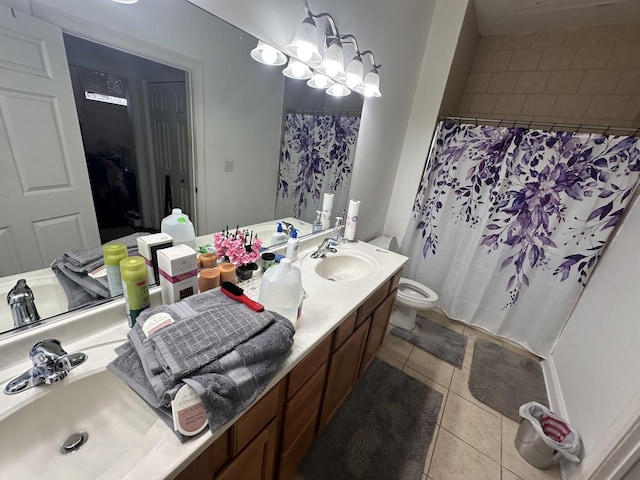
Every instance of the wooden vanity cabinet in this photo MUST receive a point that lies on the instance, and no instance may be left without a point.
(378, 323)
(344, 367)
(302, 408)
(274, 435)
(249, 446)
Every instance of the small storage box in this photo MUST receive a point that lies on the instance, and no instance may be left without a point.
(178, 273)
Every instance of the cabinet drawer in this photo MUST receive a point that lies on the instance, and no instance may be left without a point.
(372, 302)
(254, 420)
(290, 459)
(344, 330)
(303, 406)
(308, 366)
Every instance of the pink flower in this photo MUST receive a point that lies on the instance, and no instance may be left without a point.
(235, 248)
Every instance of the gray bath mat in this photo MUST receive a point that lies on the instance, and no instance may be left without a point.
(383, 430)
(504, 380)
(432, 337)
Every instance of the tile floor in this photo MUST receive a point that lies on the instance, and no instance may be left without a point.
(471, 440)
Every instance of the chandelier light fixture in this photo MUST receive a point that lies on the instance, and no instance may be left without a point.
(324, 66)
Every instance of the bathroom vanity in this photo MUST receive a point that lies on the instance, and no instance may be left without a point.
(344, 319)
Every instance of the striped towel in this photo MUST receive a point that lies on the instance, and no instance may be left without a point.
(554, 428)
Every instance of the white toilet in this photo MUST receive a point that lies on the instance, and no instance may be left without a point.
(412, 296)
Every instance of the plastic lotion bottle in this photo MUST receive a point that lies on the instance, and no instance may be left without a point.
(293, 245)
(278, 236)
(317, 225)
(281, 290)
(134, 284)
(180, 228)
(113, 253)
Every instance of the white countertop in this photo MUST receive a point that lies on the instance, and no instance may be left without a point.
(99, 331)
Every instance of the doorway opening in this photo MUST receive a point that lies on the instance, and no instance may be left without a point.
(134, 120)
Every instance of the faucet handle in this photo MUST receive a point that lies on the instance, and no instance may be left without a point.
(51, 362)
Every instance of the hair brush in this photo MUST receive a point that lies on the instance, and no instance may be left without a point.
(231, 290)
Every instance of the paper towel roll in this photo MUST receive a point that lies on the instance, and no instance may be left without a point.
(327, 206)
(352, 219)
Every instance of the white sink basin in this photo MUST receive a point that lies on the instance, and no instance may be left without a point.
(114, 417)
(346, 267)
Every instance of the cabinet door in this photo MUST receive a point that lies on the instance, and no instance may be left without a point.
(209, 461)
(257, 460)
(377, 329)
(343, 372)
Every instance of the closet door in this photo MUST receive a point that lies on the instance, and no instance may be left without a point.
(46, 207)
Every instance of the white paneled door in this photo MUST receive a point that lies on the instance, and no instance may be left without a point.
(169, 140)
(46, 207)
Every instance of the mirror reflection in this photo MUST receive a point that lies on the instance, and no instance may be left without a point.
(135, 157)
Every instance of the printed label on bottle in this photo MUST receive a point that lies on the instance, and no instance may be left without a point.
(189, 415)
(156, 322)
(136, 299)
(115, 280)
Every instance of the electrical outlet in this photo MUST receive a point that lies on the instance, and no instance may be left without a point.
(229, 165)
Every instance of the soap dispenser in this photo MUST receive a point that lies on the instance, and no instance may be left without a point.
(278, 236)
(293, 245)
(317, 225)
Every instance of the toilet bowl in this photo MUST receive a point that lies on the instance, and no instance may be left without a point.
(412, 296)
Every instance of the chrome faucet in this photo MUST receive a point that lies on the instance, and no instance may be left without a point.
(50, 365)
(22, 304)
(324, 248)
(288, 227)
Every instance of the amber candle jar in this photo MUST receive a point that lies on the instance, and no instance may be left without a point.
(227, 272)
(208, 278)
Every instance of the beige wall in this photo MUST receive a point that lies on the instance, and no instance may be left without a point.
(588, 75)
(462, 60)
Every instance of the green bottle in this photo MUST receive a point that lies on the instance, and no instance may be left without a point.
(113, 253)
(134, 284)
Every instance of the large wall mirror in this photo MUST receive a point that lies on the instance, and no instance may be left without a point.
(183, 117)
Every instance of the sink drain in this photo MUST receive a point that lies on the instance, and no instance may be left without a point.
(74, 442)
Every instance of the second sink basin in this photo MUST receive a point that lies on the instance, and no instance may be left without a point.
(116, 420)
(346, 267)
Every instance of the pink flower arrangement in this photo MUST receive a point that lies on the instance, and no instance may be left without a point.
(236, 248)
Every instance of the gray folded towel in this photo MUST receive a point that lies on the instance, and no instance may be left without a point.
(199, 337)
(79, 289)
(81, 258)
(71, 270)
(226, 386)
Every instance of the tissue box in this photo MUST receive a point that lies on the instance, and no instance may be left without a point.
(148, 247)
(178, 273)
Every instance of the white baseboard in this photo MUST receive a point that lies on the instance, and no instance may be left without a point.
(554, 392)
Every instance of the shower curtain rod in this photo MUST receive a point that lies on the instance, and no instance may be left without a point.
(344, 113)
(633, 132)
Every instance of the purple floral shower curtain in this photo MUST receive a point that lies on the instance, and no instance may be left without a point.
(508, 223)
(316, 158)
